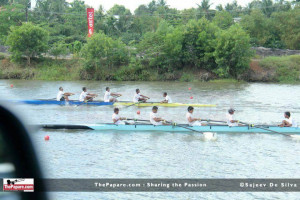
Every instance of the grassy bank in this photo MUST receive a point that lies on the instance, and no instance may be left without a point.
(286, 68)
(44, 69)
(78, 69)
(278, 69)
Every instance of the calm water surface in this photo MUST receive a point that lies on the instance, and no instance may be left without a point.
(90, 154)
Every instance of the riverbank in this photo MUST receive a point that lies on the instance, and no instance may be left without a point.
(285, 69)
(269, 69)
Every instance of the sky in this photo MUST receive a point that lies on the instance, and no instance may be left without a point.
(179, 4)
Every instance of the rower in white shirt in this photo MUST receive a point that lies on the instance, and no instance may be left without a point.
(85, 96)
(108, 94)
(167, 98)
(117, 119)
(288, 121)
(191, 120)
(63, 96)
(229, 118)
(139, 98)
(155, 119)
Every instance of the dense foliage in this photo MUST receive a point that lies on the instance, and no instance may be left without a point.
(28, 40)
(154, 37)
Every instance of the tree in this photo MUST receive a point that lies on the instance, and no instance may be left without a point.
(204, 9)
(10, 15)
(162, 49)
(4, 2)
(223, 19)
(233, 8)
(58, 49)
(219, 7)
(288, 26)
(188, 14)
(162, 3)
(50, 9)
(28, 40)
(233, 52)
(258, 27)
(76, 47)
(283, 5)
(122, 18)
(199, 44)
(101, 50)
(267, 7)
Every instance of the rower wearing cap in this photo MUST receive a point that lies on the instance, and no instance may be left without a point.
(117, 119)
(139, 98)
(288, 121)
(191, 120)
(108, 94)
(63, 96)
(229, 117)
(85, 96)
(167, 98)
(154, 119)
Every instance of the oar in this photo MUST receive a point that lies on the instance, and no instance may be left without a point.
(207, 135)
(116, 96)
(136, 103)
(137, 120)
(85, 102)
(142, 120)
(287, 135)
(132, 104)
(141, 102)
(209, 120)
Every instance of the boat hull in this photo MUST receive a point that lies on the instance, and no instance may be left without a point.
(101, 103)
(54, 102)
(147, 127)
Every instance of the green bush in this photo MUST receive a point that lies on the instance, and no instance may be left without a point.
(232, 52)
(132, 73)
(59, 49)
(187, 77)
(105, 51)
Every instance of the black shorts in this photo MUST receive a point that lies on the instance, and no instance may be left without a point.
(62, 99)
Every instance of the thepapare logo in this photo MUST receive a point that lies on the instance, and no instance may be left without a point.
(18, 184)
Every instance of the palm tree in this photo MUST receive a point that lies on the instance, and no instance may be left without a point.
(267, 7)
(204, 7)
(162, 3)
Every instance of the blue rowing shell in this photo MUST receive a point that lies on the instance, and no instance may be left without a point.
(169, 128)
(71, 102)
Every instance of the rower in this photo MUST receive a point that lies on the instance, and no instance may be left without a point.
(107, 95)
(154, 119)
(167, 98)
(191, 120)
(229, 117)
(63, 96)
(139, 98)
(117, 119)
(288, 121)
(85, 96)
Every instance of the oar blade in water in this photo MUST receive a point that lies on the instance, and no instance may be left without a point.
(210, 135)
(296, 137)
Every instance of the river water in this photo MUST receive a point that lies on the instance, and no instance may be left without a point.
(90, 154)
